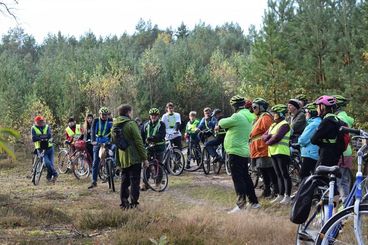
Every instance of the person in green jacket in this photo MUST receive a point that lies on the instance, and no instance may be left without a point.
(236, 145)
(191, 134)
(346, 161)
(130, 160)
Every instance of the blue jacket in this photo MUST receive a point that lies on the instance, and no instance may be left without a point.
(106, 131)
(307, 148)
(210, 124)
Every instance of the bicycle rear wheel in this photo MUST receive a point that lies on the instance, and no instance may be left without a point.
(227, 165)
(194, 159)
(175, 162)
(111, 174)
(63, 160)
(155, 176)
(206, 161)
(37, 172)
(340, 228)
(81, 168)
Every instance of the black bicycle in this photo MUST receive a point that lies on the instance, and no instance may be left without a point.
(107, 165)
(155, 174)
(194, 156)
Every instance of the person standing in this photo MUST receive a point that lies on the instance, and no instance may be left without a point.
(87, 127)
(236, 145)
(296, 120)
(172, 121)
(131, 158)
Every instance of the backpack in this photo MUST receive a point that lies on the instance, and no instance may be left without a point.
(118, 138)
(343, 138)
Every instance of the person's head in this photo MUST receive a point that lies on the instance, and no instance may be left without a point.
(207, 112)
(104, 113)
(279, 111)
(310, 110)
(325, 104)
(237, 102)
(125, 110)
(71, 122)
(39, 121)
(154, 114)
(302, 98)
(293, 106)
(341, 101)
(217, 113)
(170, 107)
(89, 118)
(259, 105)
(192, 115)
(138, 120)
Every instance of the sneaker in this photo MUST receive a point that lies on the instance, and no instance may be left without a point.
(93, 185)
(285, 200)
(278, 199)
(235, 210)
(54, 179)
(255, 206)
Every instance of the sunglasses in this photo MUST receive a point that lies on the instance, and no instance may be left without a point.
(254, 107)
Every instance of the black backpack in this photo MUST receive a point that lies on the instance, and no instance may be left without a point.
(118, 137)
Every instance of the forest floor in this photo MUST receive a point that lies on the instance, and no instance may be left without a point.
(193, 210)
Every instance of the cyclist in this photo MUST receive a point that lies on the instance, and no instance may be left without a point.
(277, 138)
(87, 128)
(303, 99)
(191, 133)
(100, 133)
(172, 121)
(236, 145)
(346, 161)
(258, 148)
(296, 119)
(41, 135)
(131, 158)
(211, 145)
(153, 133)
(206, 125)
(246, 111)
(72, 132)
(309, 152)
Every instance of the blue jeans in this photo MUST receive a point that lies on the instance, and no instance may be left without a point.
(212, 145)
(49, 162)
(96, 162)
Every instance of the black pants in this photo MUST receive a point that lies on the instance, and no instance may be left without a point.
(280, 164)
(269, 177)
(90, 151)
(177, 142)
(130, 177)
(242, 182)
(308, 167)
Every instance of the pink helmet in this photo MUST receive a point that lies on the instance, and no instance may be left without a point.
(326, 100)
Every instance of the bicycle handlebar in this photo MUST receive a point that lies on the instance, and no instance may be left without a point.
(351, 130)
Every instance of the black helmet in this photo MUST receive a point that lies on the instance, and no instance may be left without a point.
(237, 101)
(262, 103)
(215, 112)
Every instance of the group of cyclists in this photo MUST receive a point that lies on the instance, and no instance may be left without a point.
(255, 133)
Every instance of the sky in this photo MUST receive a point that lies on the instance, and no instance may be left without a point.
(114, 17)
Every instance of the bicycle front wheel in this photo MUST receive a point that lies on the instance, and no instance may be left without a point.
(156, 177)
(340, 228)
(37, 172)
(206, 161)
(194, 161)
(63, 161)
(81, 168)
(227, 165)
(175, 162)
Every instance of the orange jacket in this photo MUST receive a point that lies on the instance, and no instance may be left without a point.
(258, 147)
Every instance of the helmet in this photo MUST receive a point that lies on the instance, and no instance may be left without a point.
(296, 103)
(248, 104)
(154, 111)
(326, 100)
(302, 97)
(340, 100)
(104, 110)
(262, 103)
(312, 108)
(39, 118)
(215, 112)
(237, 100)
(281, 109)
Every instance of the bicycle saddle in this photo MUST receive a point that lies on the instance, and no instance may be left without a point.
(325, 170)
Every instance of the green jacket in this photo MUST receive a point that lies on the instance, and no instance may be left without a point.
(342, 115)
(249, 115)
(191, 129)
(237, 134)
(135, 153)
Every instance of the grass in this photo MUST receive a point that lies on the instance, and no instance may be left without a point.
(191, 211)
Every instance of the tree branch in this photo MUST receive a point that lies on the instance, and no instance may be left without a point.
(9, 10)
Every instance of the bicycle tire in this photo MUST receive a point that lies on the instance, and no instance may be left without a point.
(175, 162)
(80, 166)
(156, 177)
(195, 159)
(217, 167)
(111, 174)
(63, 161)
(227, 165)
(294, 170)
(206, 161)
(102, 171)
(37, 172)
(339, 222)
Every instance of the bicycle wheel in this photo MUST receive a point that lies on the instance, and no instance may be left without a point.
(37, 172)
(111, 174)
(206, 161)
(175, 162)
(194, 159)
(294, 170)
(227, 165)
(340, 228)
(102, 172)
(217, 167)
(80, 165)
(63, 161)
(155, 176)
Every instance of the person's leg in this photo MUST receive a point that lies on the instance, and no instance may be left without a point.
(96, 162)
(266, 182)
(238, 180)
(344, 183)
(283, 162)
(47, 160)
(52, 167)
(211, 147)
(273, 177)
(177, 142)
(307, 167)
(124, 188)
(135, 177)
(280, 182)
(248, 181)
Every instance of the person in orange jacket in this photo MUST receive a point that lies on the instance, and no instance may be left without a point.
(259, 149)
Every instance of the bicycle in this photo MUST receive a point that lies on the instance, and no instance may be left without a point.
(350, 226)
(255, 174)
(295, 165)
(107, 165)
(194, 156)
(155, 174)
(173, 158)
(38, 166)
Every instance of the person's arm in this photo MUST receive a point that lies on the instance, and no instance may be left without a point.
(305, 137)
(262, 126)
(178, 122)
(93, 130)
(49, 134)
(228, 122)
(279, 135)
(137, 140)
(321, 133)
(143, 133)
(35, 137)
(299, 123)
(160, 137)
(201, 124)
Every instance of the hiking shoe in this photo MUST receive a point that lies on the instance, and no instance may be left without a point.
(278, 199)
(235, 210)
(286, 200)
(255, 206)
(54, 179)
(93, 185)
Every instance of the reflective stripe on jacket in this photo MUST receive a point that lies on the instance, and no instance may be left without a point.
(281, 147)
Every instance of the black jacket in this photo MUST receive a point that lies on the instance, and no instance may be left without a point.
(297, 123)
(159, 137)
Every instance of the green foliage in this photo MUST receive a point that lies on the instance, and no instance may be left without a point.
(5, 136)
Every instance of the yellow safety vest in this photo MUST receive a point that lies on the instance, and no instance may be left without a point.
(153, 132)
(38, 132)
(77, 132)
(281, 147)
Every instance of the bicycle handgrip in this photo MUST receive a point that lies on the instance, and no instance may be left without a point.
(350, 130)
